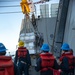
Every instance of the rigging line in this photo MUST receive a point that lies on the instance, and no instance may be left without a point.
(10, 12)
(11, 1)
(10, 6)
(55, 30)
(46, 27)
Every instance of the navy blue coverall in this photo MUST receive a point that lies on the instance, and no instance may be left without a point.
(23, 63)
(48, 72)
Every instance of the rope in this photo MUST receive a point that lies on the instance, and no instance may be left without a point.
(10, 12)
(46, 27)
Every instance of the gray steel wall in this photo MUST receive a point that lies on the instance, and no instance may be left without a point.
(70, 26)
(47, 26)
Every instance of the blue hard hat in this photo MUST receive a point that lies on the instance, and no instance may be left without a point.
(2, 47)
(65, 46)
(45, 47)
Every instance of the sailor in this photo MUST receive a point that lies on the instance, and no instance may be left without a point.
(66, 60)
(6, 64)
(23, 58)
(46, 63)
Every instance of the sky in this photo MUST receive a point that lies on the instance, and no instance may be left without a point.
(10, 23)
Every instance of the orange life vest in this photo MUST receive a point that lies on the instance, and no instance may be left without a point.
(6, 65)
(47, 61)
(70, 57)
(22, 52)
